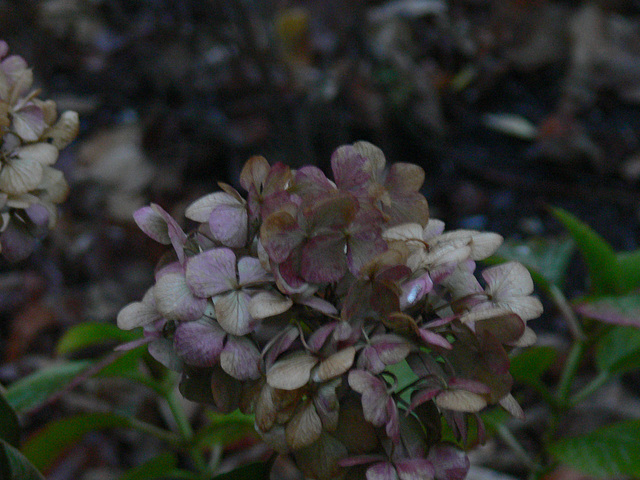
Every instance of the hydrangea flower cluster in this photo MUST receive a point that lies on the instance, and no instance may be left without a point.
(32, 136)
(302, 303)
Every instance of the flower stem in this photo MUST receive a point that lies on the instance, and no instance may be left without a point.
(184, 427)
(567, 312)
(569, 372)
(512, 442)
(590, 388)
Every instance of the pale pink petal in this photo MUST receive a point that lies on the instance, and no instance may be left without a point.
(414, 469)
(282, 342)
(391, 348)
(320, 335)
(199, 343)
(229, 224)
(280, 234)
(381, 471)
(415, 290)
(175, 300)
(28, 123)
(434, 339)
(212, 272)
(232, 312)
(137, 314)
(201, 209)
(312, 184)
(350, 170)
(363, 245)
(268, 304)
(250, 272)
(449, 462)
(323, 259)
(240, 358)
(511, 405)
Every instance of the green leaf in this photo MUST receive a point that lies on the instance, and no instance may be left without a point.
(253, 471)
(629, 269)
(45, 446)
(619, 350)
(617, 310)
(127, 366)
(93, 333)
(9, 425)
(155, 468)
(14, 465)
(225, 429)
(599, 256)
(405, 376)
(546, 259)
(529, 365)
(34, 389)
(607, 452)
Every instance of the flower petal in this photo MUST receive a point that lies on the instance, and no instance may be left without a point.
(280, 234)
(350, 170)
(254, 173)
(232, 312)
(62, 133)
(44, 153)
(175, 300)
(212, 272)
(323, 259)
(414, 469)
(449, 462)
(199, 343)
(137, 314)
(229, 224)
(317, 304)
(381, 471)
(201, 209)
(268, 304)
(460, 401)
(162, 350)
(250, 272)
(391, 348)
(291, 372)
(240, 358)
(28, 123)
(507, 280)
(20, 175)
(335, 365)
(404, 177)
(311, 184)
(304, 428)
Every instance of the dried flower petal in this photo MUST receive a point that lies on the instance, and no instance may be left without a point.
(304, 428)
(212, 272)
(335, 365)
(199, 343)
(291, 372)
(240, 358)
(175, 300)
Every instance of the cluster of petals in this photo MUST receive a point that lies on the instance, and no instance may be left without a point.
(32, 136)
(302, 301)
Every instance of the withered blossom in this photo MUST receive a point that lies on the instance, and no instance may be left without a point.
(31, 137)
(293, 304)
